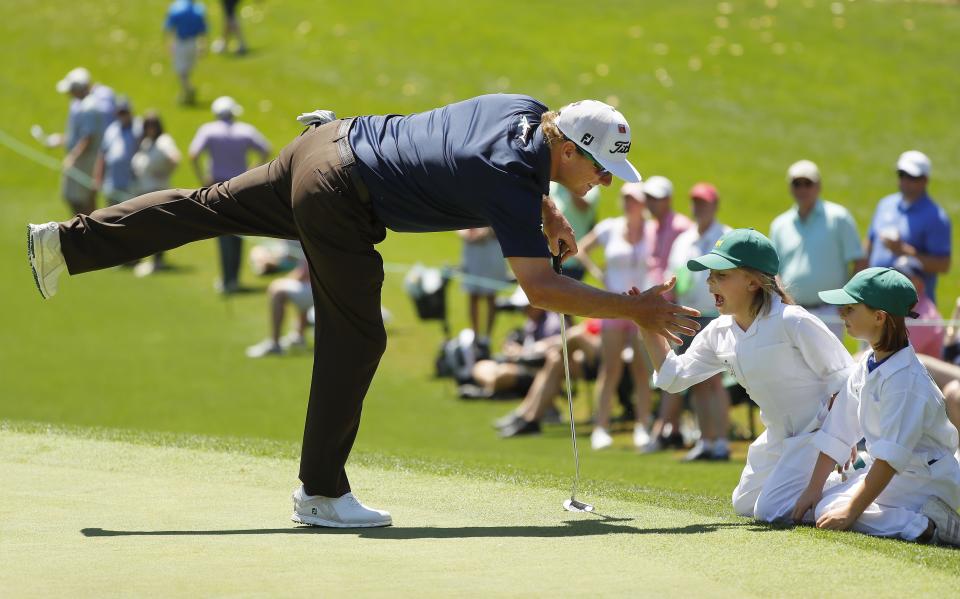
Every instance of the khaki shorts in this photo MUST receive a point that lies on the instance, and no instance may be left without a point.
(184, 55)
(76, 189)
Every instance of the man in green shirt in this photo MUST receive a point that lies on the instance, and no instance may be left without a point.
(818, 244)
(581, 213)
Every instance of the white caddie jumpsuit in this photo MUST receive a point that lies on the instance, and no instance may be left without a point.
(790, 364)
(900, 412)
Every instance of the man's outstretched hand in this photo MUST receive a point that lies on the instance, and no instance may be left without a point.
(657, 315)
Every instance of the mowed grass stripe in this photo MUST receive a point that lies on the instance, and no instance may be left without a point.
(84, 516)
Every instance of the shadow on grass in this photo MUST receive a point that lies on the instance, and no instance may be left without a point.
(570, 528)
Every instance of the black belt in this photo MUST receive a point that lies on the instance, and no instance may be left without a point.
(349, 161)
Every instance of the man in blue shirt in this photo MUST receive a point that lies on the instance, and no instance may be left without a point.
(486, 161)
(113, 174)
(909, 223)
(186, 22)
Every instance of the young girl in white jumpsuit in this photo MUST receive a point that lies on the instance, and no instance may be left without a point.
(911, 488)
(787, 360)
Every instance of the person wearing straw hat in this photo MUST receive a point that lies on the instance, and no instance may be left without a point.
(910, 486)
(786, 358)
(337, 188)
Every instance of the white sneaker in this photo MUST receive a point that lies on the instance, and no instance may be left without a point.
(641, 438)
(293, 340)
(46, 259)
(600, 438)
(342, 512)
(144, 268)
(265, 348)
(947, 520)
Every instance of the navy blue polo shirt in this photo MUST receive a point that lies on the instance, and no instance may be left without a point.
(480, 162)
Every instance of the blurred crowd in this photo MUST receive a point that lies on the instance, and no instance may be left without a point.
(646, 244)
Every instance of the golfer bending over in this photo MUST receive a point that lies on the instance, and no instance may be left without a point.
(487, 161)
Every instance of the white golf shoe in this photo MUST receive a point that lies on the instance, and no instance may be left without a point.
(46, 259)
(341, 512)
(600, 438)
(947, 520)
(641, 438)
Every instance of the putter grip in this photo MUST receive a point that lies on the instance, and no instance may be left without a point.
(557, 268)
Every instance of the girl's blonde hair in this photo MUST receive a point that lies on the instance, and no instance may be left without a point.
(769, 285)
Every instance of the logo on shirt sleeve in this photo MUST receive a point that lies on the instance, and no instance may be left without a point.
(525, 128)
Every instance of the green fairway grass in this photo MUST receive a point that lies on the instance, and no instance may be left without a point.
(730, 92)
(86, 517)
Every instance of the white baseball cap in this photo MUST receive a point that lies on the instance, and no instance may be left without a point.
(600, 130)
(225, 106)
(914, 163)
(75, 79)
(658, 187)
(803, 169)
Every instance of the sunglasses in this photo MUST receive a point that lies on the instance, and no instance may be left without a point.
(906, 175)
(596, 165)
(802, 183)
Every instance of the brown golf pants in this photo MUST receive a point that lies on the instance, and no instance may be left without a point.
(310, 193)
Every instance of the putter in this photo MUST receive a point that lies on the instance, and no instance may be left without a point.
(571, 505)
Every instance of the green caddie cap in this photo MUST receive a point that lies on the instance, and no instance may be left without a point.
(879, 288)
(740, 247)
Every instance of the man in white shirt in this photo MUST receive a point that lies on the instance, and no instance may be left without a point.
(710, 399)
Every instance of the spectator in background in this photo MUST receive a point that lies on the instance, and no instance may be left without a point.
(231, 28)
(627, 249)
(294, 289)
(909, 223)
(156, 158)
(710, 399)
(227, 142)
(522, 354)
(581, 213)
(113, 175)
(485, 271)
(666, 226)
(91, 112)
(818, 245)
(925, 338)
(583, 347)
(186, 26)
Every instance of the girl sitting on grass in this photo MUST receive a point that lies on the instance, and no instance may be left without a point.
(911, 487)
(787, 359)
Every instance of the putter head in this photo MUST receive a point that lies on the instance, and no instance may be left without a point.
(572, 505)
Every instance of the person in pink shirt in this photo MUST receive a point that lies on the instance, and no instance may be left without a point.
(926, 339)
(666, 225)
(664, 228)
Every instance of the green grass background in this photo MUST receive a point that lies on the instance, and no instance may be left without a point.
(729, 92)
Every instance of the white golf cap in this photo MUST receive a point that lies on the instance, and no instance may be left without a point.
(803, 169)
(75, 79)
(225, 106)
(600, 130)
(914, 163)
(658, 187)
